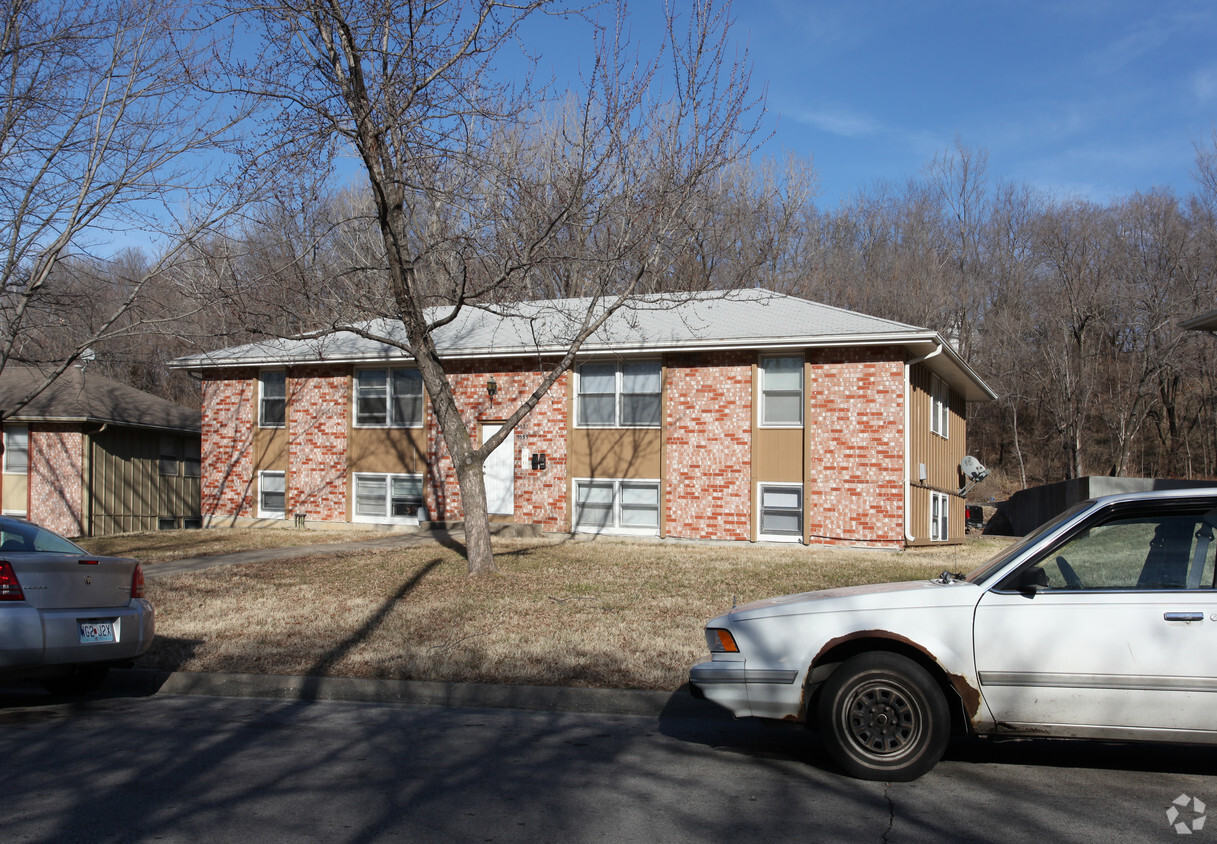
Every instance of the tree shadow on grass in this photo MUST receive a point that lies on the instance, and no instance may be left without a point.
(322, 666)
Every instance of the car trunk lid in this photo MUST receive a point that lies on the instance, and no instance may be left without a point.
(65, 581)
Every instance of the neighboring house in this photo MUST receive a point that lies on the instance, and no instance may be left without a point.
(749, 416)
(90, 456)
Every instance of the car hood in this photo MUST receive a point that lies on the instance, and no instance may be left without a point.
(910, 594)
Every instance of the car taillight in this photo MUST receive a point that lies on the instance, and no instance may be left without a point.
(10, 589)
(137, 582)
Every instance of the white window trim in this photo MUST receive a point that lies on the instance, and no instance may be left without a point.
(940, 528)
(616, 529)
(802, 391)
(940, 407)
(9, 430)
(272, 514)
(780, 537)
(388, 423)
(261, 397)
(618, 392)
(388, 518)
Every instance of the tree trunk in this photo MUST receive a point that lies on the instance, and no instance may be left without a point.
(478, 551)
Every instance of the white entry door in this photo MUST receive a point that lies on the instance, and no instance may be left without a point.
(499, 470)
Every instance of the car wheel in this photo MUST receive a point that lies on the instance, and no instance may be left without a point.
(82, 680)
(883, 717)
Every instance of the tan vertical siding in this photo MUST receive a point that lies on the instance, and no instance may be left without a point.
(128, 492)
(939, 455)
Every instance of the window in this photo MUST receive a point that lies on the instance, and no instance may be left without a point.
(272, 404)
(625, 395)
(940, 406)
(17, 450)
(623, 506)
(940, 508)
(169, 455)
(192, 463)
(272, 495)
(1167, 549)
(388, 498)
(166, 523)
(781, 512)
(389, 398)
(782, 391)
(192, 523)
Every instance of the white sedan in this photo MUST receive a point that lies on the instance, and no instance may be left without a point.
(67, 615)
(1100, 624)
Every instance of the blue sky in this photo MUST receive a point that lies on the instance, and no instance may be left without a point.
(1090, 100)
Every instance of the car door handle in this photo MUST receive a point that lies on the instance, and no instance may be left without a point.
(1183, 616)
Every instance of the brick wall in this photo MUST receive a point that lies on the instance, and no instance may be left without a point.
(708, 445)
(229, 487)
(540, 495)
(855, 462)
(318, 410)
(55, 474)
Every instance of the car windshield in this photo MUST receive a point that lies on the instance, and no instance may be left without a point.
(998, 562)
(23, 536)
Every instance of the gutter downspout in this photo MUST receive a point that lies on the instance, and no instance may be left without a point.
(908, 465)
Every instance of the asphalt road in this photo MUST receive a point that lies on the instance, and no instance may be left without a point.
(132, 766)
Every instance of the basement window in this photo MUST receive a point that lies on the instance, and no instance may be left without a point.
(781, 512)
(272, 495)
(388, 498)
(940, 508)
(617, 506)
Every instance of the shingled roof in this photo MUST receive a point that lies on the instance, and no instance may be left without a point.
(80, 396)
(738, 319)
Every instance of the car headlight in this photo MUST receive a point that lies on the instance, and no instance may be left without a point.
(720, 641)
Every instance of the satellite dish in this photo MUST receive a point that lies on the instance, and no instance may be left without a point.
(972, 469)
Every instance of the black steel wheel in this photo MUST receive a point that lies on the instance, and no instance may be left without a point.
(883, 717)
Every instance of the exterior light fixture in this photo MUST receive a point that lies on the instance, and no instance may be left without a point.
(491, 387)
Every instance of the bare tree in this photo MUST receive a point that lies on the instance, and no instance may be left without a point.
(483, 188)
(102, 140)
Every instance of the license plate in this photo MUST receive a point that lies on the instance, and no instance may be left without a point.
(96, 631)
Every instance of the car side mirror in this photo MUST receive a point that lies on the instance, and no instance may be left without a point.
(1032, 580)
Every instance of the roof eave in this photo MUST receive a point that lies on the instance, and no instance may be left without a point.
(920, 342)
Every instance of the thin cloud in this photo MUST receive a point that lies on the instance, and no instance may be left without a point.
(843, 122)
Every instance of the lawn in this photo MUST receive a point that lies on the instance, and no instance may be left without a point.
(611, 614)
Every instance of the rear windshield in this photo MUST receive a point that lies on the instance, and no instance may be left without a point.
(22, 536)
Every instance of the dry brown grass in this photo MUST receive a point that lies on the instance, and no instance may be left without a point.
(596, 614)
(164, 545)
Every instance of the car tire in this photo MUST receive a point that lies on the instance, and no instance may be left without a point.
(82, 680)
(882, 717)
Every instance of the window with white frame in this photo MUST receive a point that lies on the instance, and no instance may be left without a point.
(626, 506)
(781, 512)
(272, 495)
(940, 406)
(628, 394)
(939, 511)
(388, 498)
(272, 399)
(782, 391)
(388, 398)
(16, 449)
